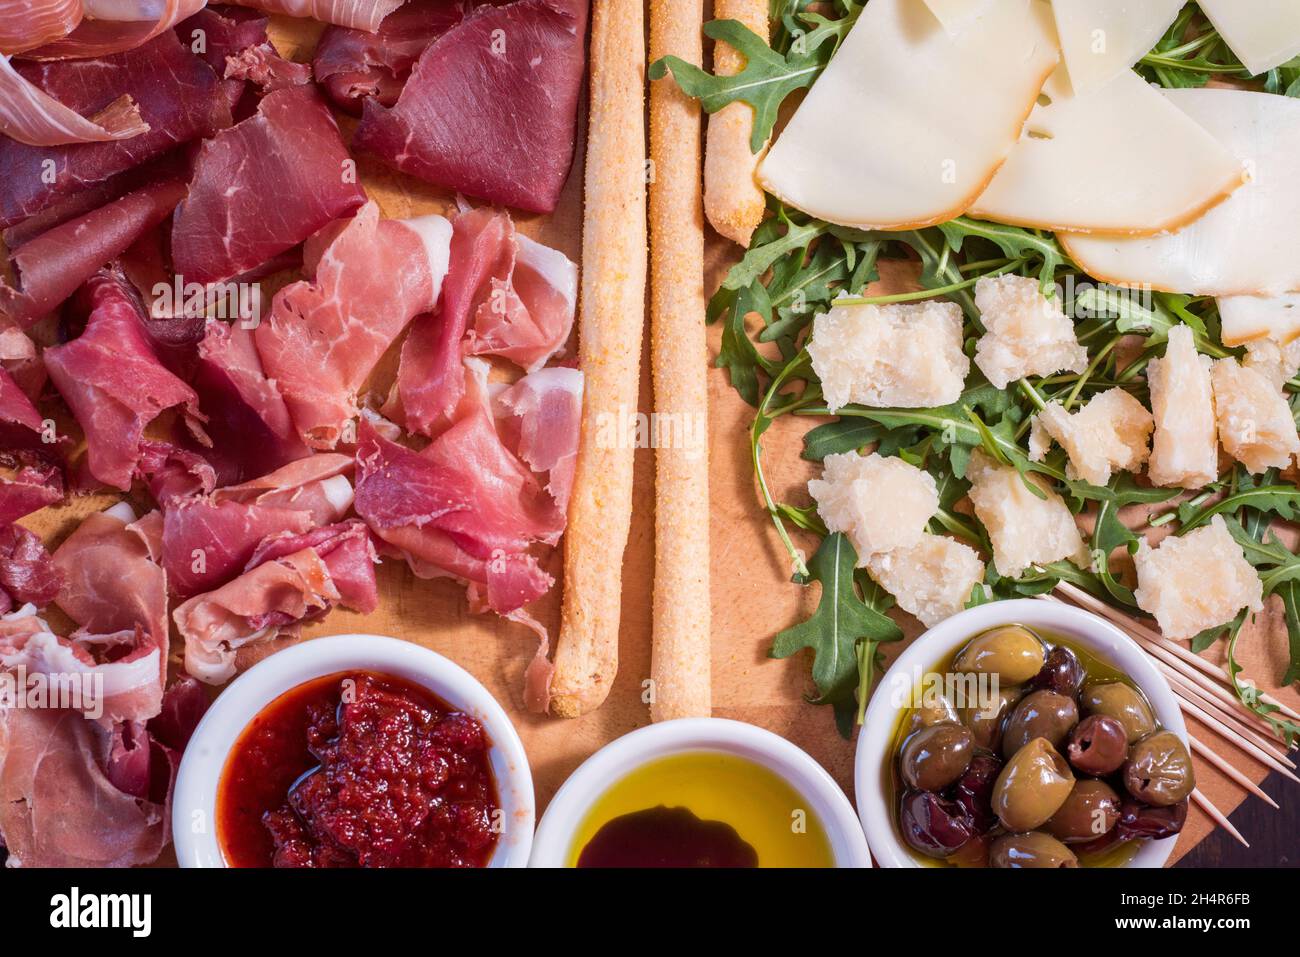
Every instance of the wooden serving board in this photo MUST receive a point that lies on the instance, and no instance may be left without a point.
(751, 592)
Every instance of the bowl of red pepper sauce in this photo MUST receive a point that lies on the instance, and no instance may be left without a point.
(354, 751)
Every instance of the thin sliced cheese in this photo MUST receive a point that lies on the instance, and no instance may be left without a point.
(1101, 39)
(1263, 33)
(1120, 159)
(908, 123)
(1246, 318)
(1243, 246)
(955, 14)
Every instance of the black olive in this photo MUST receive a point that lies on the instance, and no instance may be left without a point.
(1159, 770)
(1040, 714)
(1138, 820)
(1062, 672)
(934, 757)
(1098, 745)
(974, 790)
(932, 825)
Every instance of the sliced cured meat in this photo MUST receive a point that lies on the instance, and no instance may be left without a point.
(259, 605)
(22, 427)
(317, 485)
(360, 14)
(178, 95)
(113, 381)
(30, 116)
(262, 187)
(58, 808)
(206, 544)
(353, 65)
(519, 297)
(52, 266)
(262, 66)
(529, 54)
(111, 26)
(540, 416)
(248, 420)
(172, 472)
(32, 488)
(22, 362)
(348, 553)
(26, 24)
(324, 336)
(27, 572)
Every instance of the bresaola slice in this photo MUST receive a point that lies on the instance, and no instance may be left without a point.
(507, 136)
(27, 572)
(30, 116)
(355, 65)
(113, 382)
(324, 336)
(179, 97)
(263, 186)
(32, 488)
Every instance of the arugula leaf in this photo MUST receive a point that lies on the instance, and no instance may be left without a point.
(1279, 499)
(1014, 241)
(843, 619)
(768, 77)
(842, 435)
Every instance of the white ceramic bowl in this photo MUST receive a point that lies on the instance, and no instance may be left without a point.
(194, 804)
(593, 778)
(941, 642)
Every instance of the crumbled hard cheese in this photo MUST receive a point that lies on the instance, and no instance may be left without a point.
(1110, 432)
(1184, 451)
(1028, 334)
(879, 502)
(1276, 363)
(931, 579)
(1023, 528)
(902, 355)
(1196, 581)
(1255, 423)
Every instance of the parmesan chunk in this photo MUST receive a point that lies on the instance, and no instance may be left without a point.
(1196, 581)
(1278, 364)
(879, 502)
(931, 579)
(1255, 423)
(1110, 432)
(1028, 334)
(894, 356)
(1024, 529)
(1184, 451)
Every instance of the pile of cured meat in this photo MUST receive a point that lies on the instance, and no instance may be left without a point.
(161, 160)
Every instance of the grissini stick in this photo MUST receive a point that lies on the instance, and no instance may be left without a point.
(612, 315)
(679, 666)
(732, 199)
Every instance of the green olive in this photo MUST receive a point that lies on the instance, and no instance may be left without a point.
(1040, 714)
(1124, 703)
(1090, 811)
(1032, 786)
(934, 757)
(1034, 849)
(986, 723)
(1159, 770)
(934, 709)
(1013, 653)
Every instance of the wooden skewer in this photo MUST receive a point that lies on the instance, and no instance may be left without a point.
(679, 663)
(1230, 771)
(1217, 816)
(1081, 597)
(1223, 731)
(1182, 692)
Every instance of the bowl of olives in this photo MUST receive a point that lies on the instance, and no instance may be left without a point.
(1023, 734)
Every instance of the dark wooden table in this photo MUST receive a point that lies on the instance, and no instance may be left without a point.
(1274, 835)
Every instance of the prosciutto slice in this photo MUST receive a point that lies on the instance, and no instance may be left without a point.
(26, 24)
(262, 187)
(358, 14)
(248, 420)
(30, 116)
(317, 485)
(22, 427)
(348, 553)
(52, 266)
(32, 488)
(27, 572)
(507, 136)
(205, 543)
(111, 26)
(519, 296)
(174, 473)
(178, 95)
(113, 381)
(353, 65)
(539, 418)
(267, 602)
(324, 336)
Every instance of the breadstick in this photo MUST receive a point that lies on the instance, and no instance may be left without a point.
(611, 318)
(732, 199)
(679, 666)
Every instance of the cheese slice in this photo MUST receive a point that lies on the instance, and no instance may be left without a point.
(1121, 159)
(1103, 38)
(908, 123)
(955, 14)
(1243, 246)
(1263, 33)
(1245, 318)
